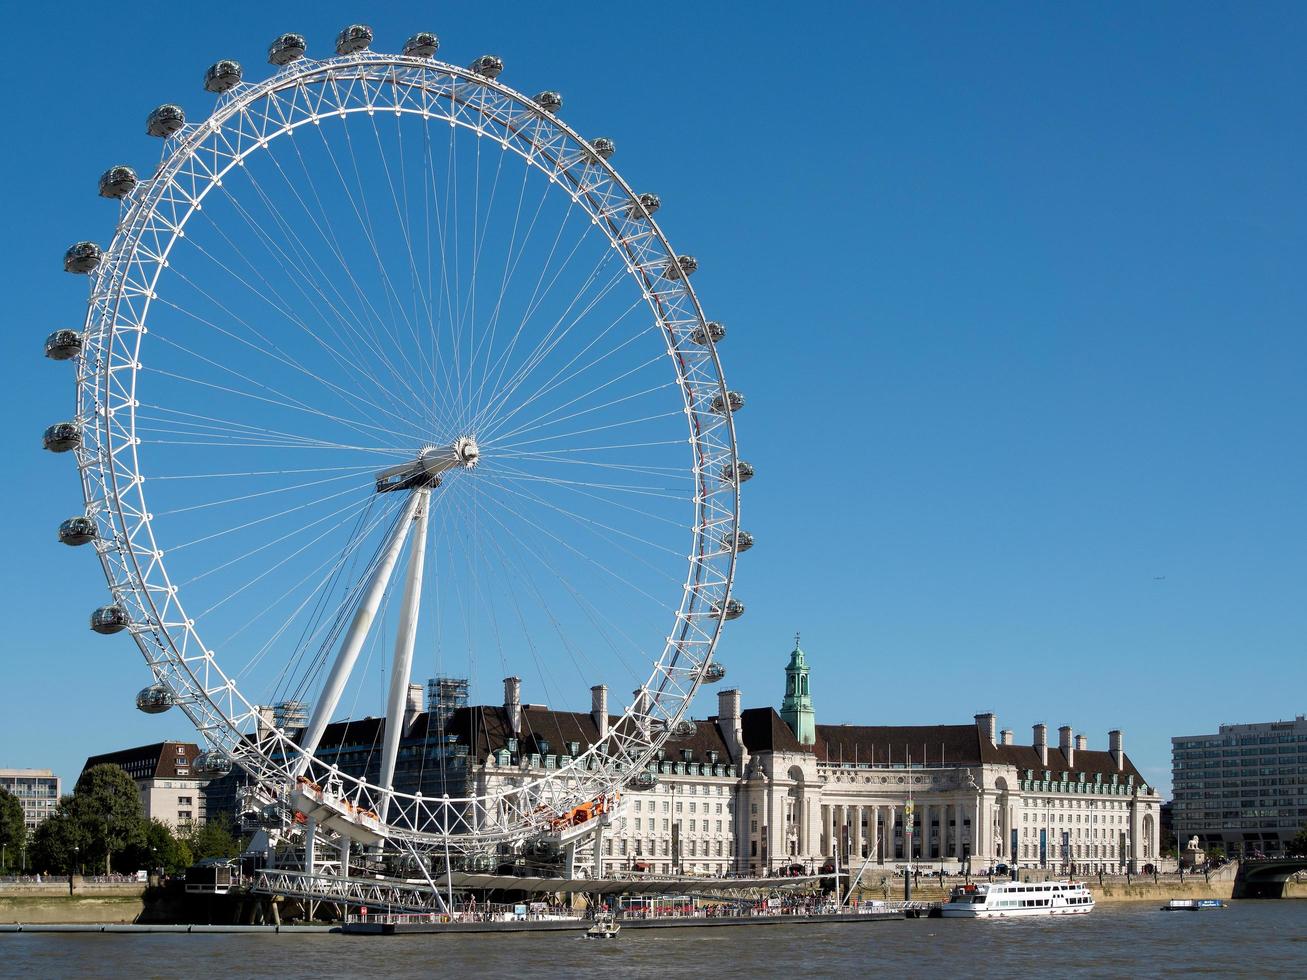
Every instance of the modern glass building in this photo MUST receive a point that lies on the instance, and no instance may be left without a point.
(1244, 788)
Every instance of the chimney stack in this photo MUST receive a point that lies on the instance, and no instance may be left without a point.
(988, 725)
(1116, 745)
(513, 703)
(413, 707)
(265, 723)
(599, 709)
(728, 719)
(1005, 736)
(1041, 742)
(1082, 743)
(640, 709)
(1066, 745)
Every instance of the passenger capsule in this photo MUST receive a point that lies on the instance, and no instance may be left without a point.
(423, 44)
(222, 75)
(286, 48)
(710, 332)
(645, 780)
(645, 206)
(682, 267)
(684, 729)
(733, 399)
(212, 763)
(77, 530)
(603, 147)
(61, 437)
(81, 258)
(549, 101)
(488, 65)
(738, 541)
(118, 182)
(356, 37)
(108, 620)
(740, 472)
(165, 121)
(63, 345)
(734, 609)
(714, 672)
(155, 699)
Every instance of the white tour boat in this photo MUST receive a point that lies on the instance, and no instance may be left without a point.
(1011, 898)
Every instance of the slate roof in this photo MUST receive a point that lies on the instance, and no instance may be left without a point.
(159, 760)
(764, 731)
(485, 729)
(1088, 761)
(957, 745)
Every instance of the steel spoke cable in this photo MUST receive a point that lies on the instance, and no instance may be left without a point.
(276, 353)
(330, 313)
(553, 337)
(543, 422)
(555, 382)
(591, 524)
(679, 413)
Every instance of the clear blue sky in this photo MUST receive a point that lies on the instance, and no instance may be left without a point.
(1015, 293)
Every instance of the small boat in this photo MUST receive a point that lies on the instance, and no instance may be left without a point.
(1001, 900)
(605, 927)
(1192, 904)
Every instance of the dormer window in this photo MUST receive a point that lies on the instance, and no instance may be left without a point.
(687, 754)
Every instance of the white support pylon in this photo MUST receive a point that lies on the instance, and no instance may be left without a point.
(358, 632)
(402, 668)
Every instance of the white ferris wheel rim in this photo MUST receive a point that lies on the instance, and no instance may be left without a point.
(113, 485)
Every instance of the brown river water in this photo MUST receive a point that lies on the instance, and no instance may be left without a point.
(1253, 939)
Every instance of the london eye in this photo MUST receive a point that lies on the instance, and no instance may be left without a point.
(385, 374)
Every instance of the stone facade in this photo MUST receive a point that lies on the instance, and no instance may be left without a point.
(752, 791)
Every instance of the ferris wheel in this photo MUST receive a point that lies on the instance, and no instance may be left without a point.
(388, 374)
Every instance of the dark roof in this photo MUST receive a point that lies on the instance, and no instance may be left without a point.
(485, 729)
(764, 731)
(158, 760)
(1087, 761)
(957, 745)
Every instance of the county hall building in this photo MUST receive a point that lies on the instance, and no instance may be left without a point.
(756, 790)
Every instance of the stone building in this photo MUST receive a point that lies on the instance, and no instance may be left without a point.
(164, 773)
(754, 790)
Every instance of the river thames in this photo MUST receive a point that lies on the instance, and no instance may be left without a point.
(1138, 940)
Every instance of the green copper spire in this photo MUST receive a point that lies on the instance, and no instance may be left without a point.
(796, 709)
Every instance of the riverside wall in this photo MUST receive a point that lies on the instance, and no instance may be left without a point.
(1140, 889)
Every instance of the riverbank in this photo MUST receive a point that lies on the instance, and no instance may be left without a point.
(1112, 891)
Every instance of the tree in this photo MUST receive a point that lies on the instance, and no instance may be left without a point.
(107, 809)
(56, 840)
(214, 839)
(159, 848)
(1297, 845)
(13, 832)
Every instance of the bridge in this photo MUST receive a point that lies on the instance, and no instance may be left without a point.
(1265, 879)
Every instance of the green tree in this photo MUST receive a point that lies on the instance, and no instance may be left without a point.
(13, 832)
(159, 847)
(107, 808)
(215, 839)
(1297, 845)
(56, 840)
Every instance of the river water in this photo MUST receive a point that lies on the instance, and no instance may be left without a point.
(1262, 939)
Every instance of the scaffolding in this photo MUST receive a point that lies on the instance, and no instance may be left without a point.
(290, 714)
